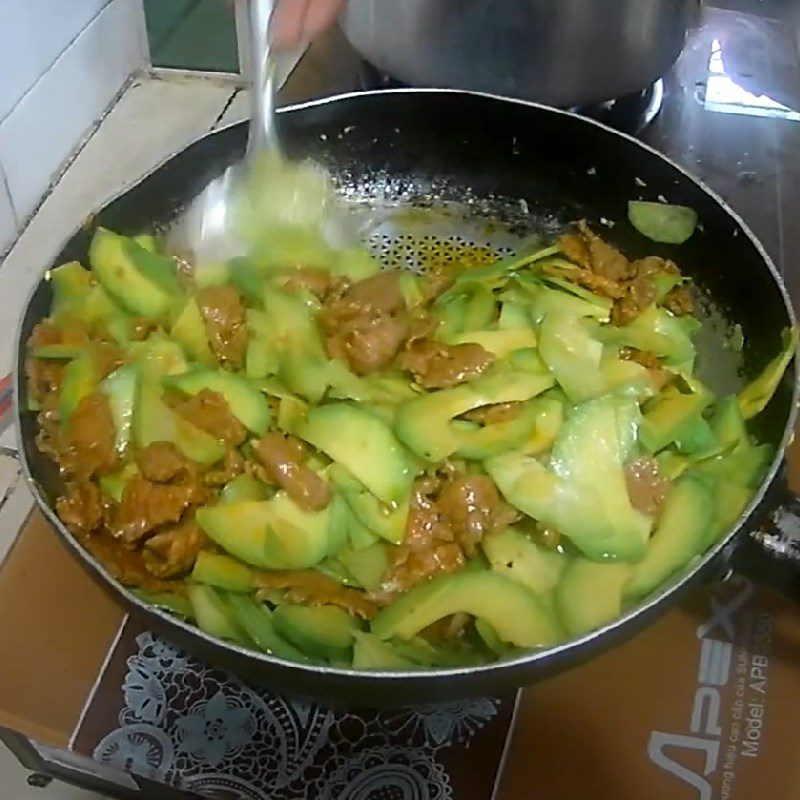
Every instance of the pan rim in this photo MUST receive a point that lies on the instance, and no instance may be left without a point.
(525, 659)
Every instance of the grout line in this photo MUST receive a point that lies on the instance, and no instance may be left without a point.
(10, 489)
(228, 103)
(57, 58)
(7, 189)
(219, 78)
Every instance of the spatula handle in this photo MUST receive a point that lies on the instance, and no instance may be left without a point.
(262, 134)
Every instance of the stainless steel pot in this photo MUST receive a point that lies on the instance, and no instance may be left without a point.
(562, 52)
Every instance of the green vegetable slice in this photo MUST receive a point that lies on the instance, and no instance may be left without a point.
(662, 222)
(754, 397)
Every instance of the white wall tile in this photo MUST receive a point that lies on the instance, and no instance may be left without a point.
(55, 115)
(8, 219)
(33, 35)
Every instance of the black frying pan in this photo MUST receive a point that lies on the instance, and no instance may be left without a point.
(525, 167)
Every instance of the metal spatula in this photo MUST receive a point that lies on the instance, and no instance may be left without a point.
(266, 195)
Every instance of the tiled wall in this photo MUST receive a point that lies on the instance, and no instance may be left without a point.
(61, 62)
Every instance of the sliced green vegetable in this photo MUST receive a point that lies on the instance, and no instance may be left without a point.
(425, 654)
(368, 566)
(513, 554)
(244, 487)
(388, 523)
(568, 349)
(59, 352)
(153, 421)
(662, 222)
(211, 274)
(71, 285)
(120, 389)
(147, 241)
(223, 572)
(583, 494)
(500, 343)
(257, 621)
(335, 570)
(169, 601)
(189, 331)
(513, 611)
(423, 424)
(141, 281)
(590, 595)
(157, 357)
(338, 525)
(675, 417)
(548, 422)
(657, 331)
(370, 653)
(271, 534)
(317, 631)
(113, 484)
(365, 445)
(490, 638)
(754, 397)
(213, 615)
(680, 534)
(359, 535)
(481, 442)
(246, 403)
(80, 380)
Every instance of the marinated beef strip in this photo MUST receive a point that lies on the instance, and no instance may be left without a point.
(471, 507)
(659, 376)
(599, 284)
(146, 506)
(638, 295)
(161, 462)
(231, 466)
(367, 324)
(311, 587)
(43, 375)
(494, 413)
(437, 366)
(679, 301)
(448, 517)
(319, 282)
(604, 270)
(281, 457)
(167, 485)
(88, 448)
(80, 507)
(224, 315)
(209, 411)
(647, 489)
(173, 550)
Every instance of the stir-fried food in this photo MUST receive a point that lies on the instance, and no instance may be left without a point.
(388, 470)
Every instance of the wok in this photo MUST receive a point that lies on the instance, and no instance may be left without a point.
(522, 168)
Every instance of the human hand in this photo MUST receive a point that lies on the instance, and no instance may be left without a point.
(296, 21)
